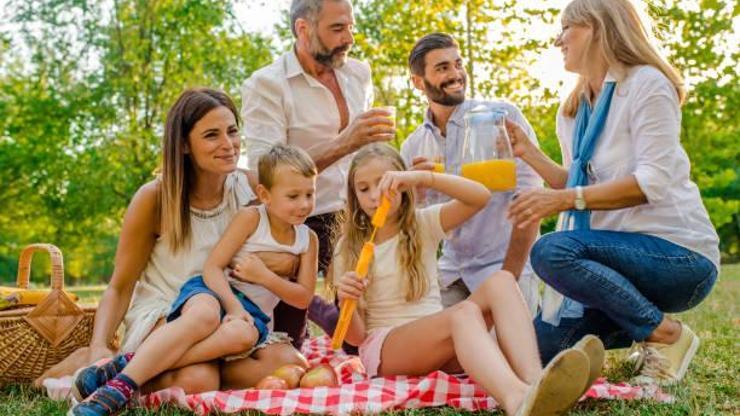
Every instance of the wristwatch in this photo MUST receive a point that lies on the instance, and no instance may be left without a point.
(580, 203)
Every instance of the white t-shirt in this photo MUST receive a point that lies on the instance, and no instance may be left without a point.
(385, 303)
(642, 138)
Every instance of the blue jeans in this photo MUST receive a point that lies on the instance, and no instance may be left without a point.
(626, 282)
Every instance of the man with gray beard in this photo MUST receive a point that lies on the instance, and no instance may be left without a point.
(317, 98)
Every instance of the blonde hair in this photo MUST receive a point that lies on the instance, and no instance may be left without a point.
(280, 154)
(623, 37)
(177, 172)
(354, 228)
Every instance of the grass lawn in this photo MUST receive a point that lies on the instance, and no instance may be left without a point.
(711, 387)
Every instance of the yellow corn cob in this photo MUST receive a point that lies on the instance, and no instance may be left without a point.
(25, 297)
(6, 290)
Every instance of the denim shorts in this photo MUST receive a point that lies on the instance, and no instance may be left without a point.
(196, 286)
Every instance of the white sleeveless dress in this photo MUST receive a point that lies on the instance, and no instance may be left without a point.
(166, 272)
(262, 240)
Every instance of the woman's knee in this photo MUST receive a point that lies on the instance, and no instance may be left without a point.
(203, 314)
(238, 335)
(554, 251)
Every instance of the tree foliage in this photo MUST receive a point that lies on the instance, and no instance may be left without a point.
(84, 85)
(82, 110)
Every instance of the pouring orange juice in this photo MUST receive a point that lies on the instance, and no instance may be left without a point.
(487, 156)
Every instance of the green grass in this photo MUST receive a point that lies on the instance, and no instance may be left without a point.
(711, 387)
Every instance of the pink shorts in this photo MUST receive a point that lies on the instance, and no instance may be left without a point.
(371, 348)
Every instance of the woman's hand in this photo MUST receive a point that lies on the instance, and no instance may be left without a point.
(82, 357)
(350, 286)
(532, 205)
(251, 269)
(520, 143)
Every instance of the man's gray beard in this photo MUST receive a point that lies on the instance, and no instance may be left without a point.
(324, 56)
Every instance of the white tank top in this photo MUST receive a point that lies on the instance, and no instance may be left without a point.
(262, 240)
(166, 272)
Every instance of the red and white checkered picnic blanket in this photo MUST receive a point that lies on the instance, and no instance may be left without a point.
(359, 394)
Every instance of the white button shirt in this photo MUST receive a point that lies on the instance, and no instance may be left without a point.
(642, 138)
(281, 103)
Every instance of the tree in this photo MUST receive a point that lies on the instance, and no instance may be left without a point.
(81, 119)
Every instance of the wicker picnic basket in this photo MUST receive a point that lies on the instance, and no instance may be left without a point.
(34, 338)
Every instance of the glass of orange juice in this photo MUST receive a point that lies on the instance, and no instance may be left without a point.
(391, 110)
(432, 149)
(487, 156)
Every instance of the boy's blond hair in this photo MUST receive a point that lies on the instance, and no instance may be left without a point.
(281, 154)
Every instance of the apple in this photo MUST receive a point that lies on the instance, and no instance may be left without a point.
(291, 373)
(271, 383)
(321, 375)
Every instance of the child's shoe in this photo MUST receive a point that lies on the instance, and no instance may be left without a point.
(592, 346)
(559, 387)
(89, 379)
(107, 400)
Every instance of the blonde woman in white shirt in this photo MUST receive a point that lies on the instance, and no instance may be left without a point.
(648, 247)
(400, 325)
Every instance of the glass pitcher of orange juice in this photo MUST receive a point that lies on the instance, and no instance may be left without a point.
(487, 156)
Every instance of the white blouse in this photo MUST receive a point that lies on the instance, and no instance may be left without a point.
(166, 272)
(642, 138)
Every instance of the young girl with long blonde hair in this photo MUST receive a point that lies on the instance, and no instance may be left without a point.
(400, 326)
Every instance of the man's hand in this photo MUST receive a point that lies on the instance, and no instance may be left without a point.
(251, 269)
(282, 264)
(369, 127)
(421, 163)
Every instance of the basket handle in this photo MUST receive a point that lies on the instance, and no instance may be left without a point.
(57, 265)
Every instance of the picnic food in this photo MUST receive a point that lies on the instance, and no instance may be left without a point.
(271, 383)
(13, 296)
(291, 373)
(322, 375)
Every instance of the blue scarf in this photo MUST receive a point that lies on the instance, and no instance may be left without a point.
(588, 128)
